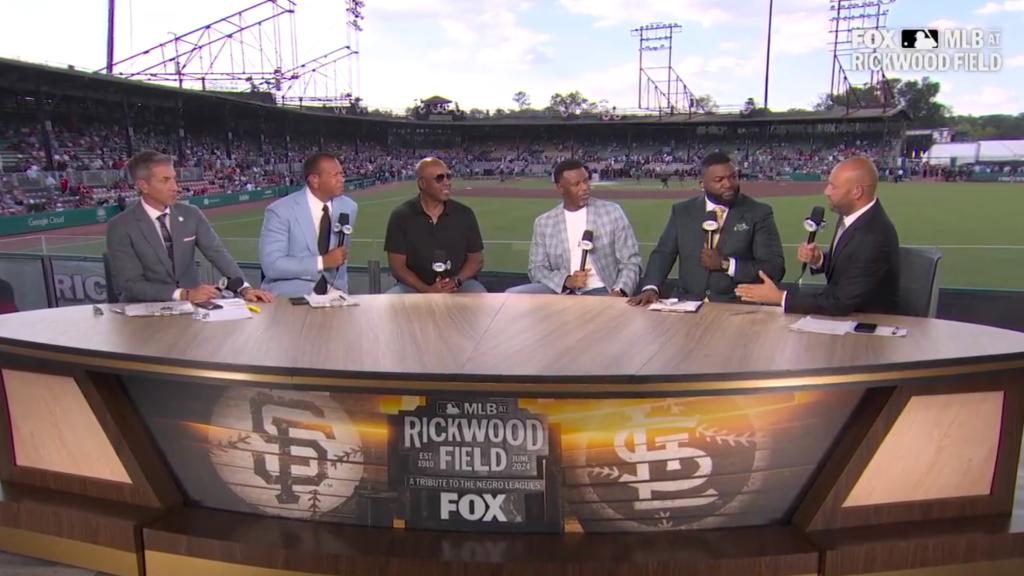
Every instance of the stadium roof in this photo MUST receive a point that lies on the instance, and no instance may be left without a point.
(31, 78)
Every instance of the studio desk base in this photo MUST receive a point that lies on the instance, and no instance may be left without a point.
(198, 542)
(87, 482)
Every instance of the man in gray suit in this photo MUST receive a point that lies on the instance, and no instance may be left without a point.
(556, 251)
(745, 242)
(152, 244)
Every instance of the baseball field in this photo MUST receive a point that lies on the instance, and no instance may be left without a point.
(974, 225)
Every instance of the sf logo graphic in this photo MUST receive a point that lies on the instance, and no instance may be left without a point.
(288, 453)
(281, 436)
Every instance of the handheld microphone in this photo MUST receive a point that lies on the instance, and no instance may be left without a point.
(230, 288)
(587, 244)
(441, 264)
(710, 224)
(342, 228)
(813, 223)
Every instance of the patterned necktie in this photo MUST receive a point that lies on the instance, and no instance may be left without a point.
(720, 215)
(165, 233)
(323, 244)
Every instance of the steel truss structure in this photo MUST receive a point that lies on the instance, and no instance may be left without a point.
(254, 49)
(660, 88)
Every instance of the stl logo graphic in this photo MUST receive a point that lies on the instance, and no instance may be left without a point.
(288, 453)
(671, 465)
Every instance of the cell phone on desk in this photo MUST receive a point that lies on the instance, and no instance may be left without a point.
(207, 305)
(299, 301)
(865, 327)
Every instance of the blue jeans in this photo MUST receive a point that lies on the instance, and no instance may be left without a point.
(471, 286)
(538, 288)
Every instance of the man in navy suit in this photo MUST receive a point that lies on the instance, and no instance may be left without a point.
(862, 265)
(301, 250)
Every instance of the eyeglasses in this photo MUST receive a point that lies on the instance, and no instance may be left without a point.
(442, 177)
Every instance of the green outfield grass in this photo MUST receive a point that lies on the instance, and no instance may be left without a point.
(975, 226)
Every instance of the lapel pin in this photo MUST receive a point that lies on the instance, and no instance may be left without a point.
(180, 219)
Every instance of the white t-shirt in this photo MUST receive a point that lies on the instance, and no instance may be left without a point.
(575, 224)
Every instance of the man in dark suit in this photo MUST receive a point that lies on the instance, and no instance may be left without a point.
(152, 244)
(862, 265)
(747, 240)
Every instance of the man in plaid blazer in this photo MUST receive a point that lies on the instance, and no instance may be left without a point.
(556, 251)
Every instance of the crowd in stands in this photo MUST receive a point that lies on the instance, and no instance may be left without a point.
(206, 167)
(763, 160)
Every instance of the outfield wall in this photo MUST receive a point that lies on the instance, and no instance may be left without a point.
(45, 221)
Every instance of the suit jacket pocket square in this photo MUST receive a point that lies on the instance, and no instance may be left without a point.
(741, 227)
(189, 239)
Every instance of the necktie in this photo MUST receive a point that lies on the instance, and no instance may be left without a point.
(835, 243)
(839, 232)
(165, 233)
(720, 214)
(323, 244)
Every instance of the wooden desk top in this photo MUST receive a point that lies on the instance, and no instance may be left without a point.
(496, 340)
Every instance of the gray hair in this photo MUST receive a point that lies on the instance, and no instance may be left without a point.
(141, 165)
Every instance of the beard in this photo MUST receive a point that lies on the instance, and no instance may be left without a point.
(720, 200)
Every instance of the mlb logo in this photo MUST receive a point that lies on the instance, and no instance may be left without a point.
(919, 38)
(448, 408)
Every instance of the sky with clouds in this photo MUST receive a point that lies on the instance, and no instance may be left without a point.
(480, 52)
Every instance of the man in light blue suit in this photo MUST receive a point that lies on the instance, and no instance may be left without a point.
(300, 250)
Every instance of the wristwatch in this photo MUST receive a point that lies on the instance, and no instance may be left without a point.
(458, 282)
(725, 265)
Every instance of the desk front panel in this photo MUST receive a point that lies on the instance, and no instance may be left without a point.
(478, 463)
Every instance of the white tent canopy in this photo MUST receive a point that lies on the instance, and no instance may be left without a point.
(985, 151)
(1001, 151)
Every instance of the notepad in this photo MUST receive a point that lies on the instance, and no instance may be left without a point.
(231, 309)
(333, 299)
(676, 305)
(840, 327)
(143, 309)
(823, 326)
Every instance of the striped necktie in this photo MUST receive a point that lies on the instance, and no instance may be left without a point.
(165, 233)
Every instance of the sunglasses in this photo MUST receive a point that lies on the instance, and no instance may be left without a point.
(442, 177)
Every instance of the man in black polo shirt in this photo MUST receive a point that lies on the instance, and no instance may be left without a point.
(433, 242)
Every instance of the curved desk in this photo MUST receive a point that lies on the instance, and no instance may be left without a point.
(505, 434)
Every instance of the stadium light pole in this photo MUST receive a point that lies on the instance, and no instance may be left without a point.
(110, 36)
(768, 53)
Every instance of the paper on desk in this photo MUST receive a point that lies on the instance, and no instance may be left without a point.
(333, 299)
(675, 305)
(890, 331)
(233, 309)
(154, 308)
(822, 326)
